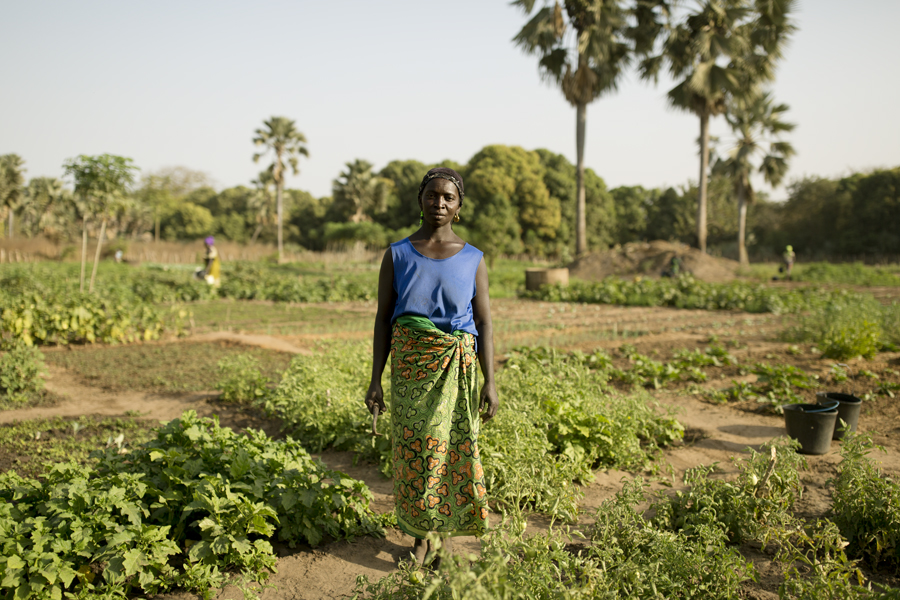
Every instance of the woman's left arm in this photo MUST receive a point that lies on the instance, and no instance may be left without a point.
(481, 311)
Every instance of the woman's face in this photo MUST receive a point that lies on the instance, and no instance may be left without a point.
(439, 202)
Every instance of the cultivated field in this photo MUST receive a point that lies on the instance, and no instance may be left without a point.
(702, 387)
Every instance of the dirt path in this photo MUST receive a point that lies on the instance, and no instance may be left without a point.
(248, 339)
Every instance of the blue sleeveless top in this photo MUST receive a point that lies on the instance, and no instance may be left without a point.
(440, 289)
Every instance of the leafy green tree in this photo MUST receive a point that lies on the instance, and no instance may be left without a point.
(12, 179)
(722, 48)
(160, 189)
(401, 208)
(358, 193)
(281, 137)
(491, 213)
(538, 214)
(584, 47)
(757, 124)
(631, 213)
(307, 218)
(186, 220)
(670, 216)
(870, 225)
(560, 180)
(101, 182)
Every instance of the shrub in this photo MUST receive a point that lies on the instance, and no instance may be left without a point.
(240, 379)
(20, 373)
(867, 505)
(764, 493)
(845, 327)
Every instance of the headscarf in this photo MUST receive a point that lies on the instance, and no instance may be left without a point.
(209, 241)
(444, 173)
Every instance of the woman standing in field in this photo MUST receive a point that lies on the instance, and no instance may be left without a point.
(212, 272)
(434, 318)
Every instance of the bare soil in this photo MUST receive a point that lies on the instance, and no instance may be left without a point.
(715, 432)
(651, 259)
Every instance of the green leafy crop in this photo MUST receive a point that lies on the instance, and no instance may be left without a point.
(21, 370)
(182, 510)
(867, 505)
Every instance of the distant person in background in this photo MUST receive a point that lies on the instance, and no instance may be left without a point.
(788, 260)
(433, 323)
(674, 269)
(212, 272)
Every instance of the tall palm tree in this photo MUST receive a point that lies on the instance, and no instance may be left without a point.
(757, 124)
(281, 137)
(584, 47)
(11, 182)
(722, 48)
(358, 190)
(261, 202)
(101, 183)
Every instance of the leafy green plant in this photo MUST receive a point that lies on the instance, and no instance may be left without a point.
(687, 292)
(855, 273)
(21, 370)
(626, 558)
(867, 504)
(650, 562)
(763, 495)
(775, 384)
(183, 509)
(319, 400)
(240, 379)
(559, 422)
(846, 326)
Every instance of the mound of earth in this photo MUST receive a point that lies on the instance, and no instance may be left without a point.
(650, 259)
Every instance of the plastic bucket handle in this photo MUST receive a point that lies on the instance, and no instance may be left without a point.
(832, 405)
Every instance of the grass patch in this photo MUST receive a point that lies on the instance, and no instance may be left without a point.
(177, 367)
(26, 445)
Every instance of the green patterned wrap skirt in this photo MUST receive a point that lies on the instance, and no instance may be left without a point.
(438, 478)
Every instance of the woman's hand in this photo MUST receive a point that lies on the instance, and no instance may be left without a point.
(375, 397)
(489, 402)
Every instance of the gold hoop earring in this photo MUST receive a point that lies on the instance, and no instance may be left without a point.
(456, 218)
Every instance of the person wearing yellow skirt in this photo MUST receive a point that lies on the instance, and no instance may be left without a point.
(434, 322)
(213, 270)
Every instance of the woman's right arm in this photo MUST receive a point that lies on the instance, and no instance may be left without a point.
(381, 342)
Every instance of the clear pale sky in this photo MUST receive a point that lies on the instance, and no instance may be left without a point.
(187, 83)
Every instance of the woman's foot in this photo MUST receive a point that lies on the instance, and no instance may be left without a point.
(420, 550)
(435, 563)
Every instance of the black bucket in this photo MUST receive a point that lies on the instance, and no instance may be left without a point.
(848, 410)
(812, 425)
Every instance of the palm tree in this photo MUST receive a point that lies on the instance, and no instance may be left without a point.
(101, 183)
(757, 125)
(41, 197)
(261, 202)
(584, 46)
(723, 48)
(11, 181)
(281, 137)
(358, 190)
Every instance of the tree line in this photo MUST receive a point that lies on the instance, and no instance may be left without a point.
(517, 202)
